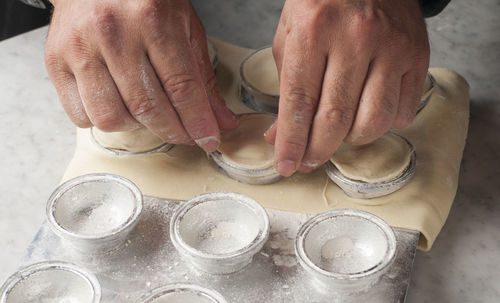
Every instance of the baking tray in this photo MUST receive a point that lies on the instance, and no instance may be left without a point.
(148, 260)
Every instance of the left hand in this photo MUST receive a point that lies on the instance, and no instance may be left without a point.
(349, 71)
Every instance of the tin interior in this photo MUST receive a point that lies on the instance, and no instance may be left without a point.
(347, 244)
(48, 282)
(94, 206)
(220, 227)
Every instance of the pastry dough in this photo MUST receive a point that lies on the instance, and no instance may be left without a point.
(381, 160)
(438, 135)
(261, 72)
(139, 140)
(245, 146)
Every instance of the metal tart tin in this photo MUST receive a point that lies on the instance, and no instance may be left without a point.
(51, 281)
(243, 174)
(219, 232)
(186, 293)
(94, 212)
(252, 96)
(426, 96)
(345, 250)
(365, 190)
(163, 148)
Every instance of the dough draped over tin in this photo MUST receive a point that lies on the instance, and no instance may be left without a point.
(245, 146)
(139, 140)
(261, 72)
(381, 160)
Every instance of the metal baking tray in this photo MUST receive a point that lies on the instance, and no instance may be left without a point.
(148, 260)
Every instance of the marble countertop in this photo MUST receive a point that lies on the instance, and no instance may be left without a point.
(37, 141)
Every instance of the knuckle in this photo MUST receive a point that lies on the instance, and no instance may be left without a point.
(142, 108)
(105, 25)
(364, 26)
(301, 101)
(180, 88)
(107, 121)
(338, 118)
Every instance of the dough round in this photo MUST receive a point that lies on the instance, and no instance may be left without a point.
(261, 73)
(138, 140)
(382, 160)
(245, 146)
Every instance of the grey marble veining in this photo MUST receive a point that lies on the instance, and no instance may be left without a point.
(37, 141)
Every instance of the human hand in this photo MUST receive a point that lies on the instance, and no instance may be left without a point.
(349, 70)
(120, 65)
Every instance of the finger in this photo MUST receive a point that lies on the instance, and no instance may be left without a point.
(342, 85)
(145, 98)
(301, 78)
(226, 119)
(175, 64)
(138, 84)
(412, 86)
(101, 99)
(67, 90)
(378, 104)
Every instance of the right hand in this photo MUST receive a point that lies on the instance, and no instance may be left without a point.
(120, 65)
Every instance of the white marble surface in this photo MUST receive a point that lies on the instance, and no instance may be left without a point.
(37, 141)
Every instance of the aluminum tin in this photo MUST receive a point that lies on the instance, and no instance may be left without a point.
(87, 278)
(163, 148)
(254, 98)
(342, 282)
(149, 260)
(245, 175)
(250, 176)
(177, 288)
(428, 94)
(103, 242)
(222, 263)
(365, 190)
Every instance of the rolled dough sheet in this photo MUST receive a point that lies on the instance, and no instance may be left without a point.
(438, 134)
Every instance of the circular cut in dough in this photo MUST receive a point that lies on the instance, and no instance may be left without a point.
(261, 73)
(139, 140)
(382, 160)
(245, 146)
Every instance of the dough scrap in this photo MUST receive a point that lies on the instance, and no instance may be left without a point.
(139, 140)
(245, 146)
(381, 160)
(261, 72)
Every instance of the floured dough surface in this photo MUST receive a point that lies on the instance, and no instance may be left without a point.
(138, 140)
(382, 160)
(261, 73)
(245, 146)
(438, 134)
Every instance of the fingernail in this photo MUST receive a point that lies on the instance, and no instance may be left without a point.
(286, 167)
(209, 144)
